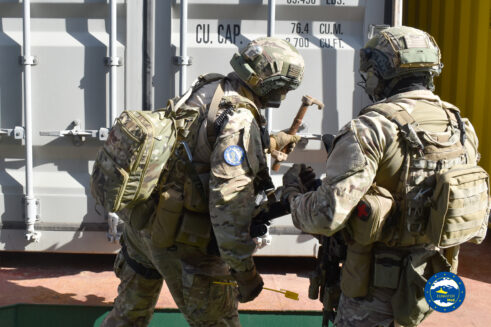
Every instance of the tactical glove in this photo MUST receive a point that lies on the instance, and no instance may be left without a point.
(280, 141)
(307, 176)
(250, 284)
(292, 183)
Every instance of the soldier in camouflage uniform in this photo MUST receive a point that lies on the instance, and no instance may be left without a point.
(398, 65)
(229, 158)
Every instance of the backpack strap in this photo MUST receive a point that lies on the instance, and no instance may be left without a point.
(460, 123)
(229, 104)
(212, 113)
(392, 112)
(201, 81)
(399, 116)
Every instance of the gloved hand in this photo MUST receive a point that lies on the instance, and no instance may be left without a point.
(307, 176)
(282, 140)
(292, 183)
(250, 284)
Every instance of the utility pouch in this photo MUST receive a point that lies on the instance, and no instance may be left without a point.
(386, 269)
(167, 218)
(138, 216)
(196, 193)
(408, 302)
(459, 206)
(368, 219)
(355, 276)
(195, 229)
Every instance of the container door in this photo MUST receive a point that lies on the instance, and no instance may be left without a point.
(70, 101)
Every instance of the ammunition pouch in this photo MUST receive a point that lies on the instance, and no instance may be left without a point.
(167, 217)
(196, 192)
(195, 230)
(460, 202)
(386, 268)
(355, 277)
(408, 302)
(195, 224)
(370, 215)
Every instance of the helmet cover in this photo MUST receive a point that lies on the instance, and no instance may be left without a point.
(269, 66)
(401, 51)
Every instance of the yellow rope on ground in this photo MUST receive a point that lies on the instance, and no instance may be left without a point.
(288, 294)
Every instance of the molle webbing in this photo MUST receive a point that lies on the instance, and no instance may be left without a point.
(427, 153)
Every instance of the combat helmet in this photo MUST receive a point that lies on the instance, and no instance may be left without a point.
(395, 53)
(270, 67)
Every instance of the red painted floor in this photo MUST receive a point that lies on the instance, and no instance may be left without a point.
(89, 280)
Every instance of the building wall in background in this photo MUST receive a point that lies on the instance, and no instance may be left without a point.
(462, 30)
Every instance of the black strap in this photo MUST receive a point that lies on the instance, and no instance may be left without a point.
(206, 79)
(221, 119)
(140, 269)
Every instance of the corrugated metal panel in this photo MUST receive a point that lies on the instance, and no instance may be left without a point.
(71, 84)
(462, 29)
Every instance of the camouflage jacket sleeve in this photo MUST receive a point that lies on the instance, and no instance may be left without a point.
(472, 143)
(351, 169)
(235, 161)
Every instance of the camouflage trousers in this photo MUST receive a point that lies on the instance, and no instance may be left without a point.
(373, 311)
(189, 275)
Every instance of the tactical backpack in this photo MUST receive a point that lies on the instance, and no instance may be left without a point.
(127, 168)
(443, 198)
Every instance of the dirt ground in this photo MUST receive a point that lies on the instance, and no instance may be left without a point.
(41, 278)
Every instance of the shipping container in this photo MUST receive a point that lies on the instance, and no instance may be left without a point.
(69, 67)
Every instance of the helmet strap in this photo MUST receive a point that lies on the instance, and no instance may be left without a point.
(388, 88)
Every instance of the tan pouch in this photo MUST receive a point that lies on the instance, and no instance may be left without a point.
(167, 218)
(409, 304)
(195, 229)
(386, 269)
(196, 199)
(139, 215)
(369, 216)
(355, 276)
(459, 206)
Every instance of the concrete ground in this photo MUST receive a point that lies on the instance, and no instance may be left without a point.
(40, 278)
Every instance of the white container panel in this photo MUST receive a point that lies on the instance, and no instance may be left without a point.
(70, 88)
(70, 39)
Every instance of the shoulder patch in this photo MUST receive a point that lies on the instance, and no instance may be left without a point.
(233, 155)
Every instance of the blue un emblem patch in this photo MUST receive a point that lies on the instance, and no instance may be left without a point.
(233, 155)
(444, 292)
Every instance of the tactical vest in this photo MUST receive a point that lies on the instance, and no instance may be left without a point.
(442, 196)
(440, 200)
